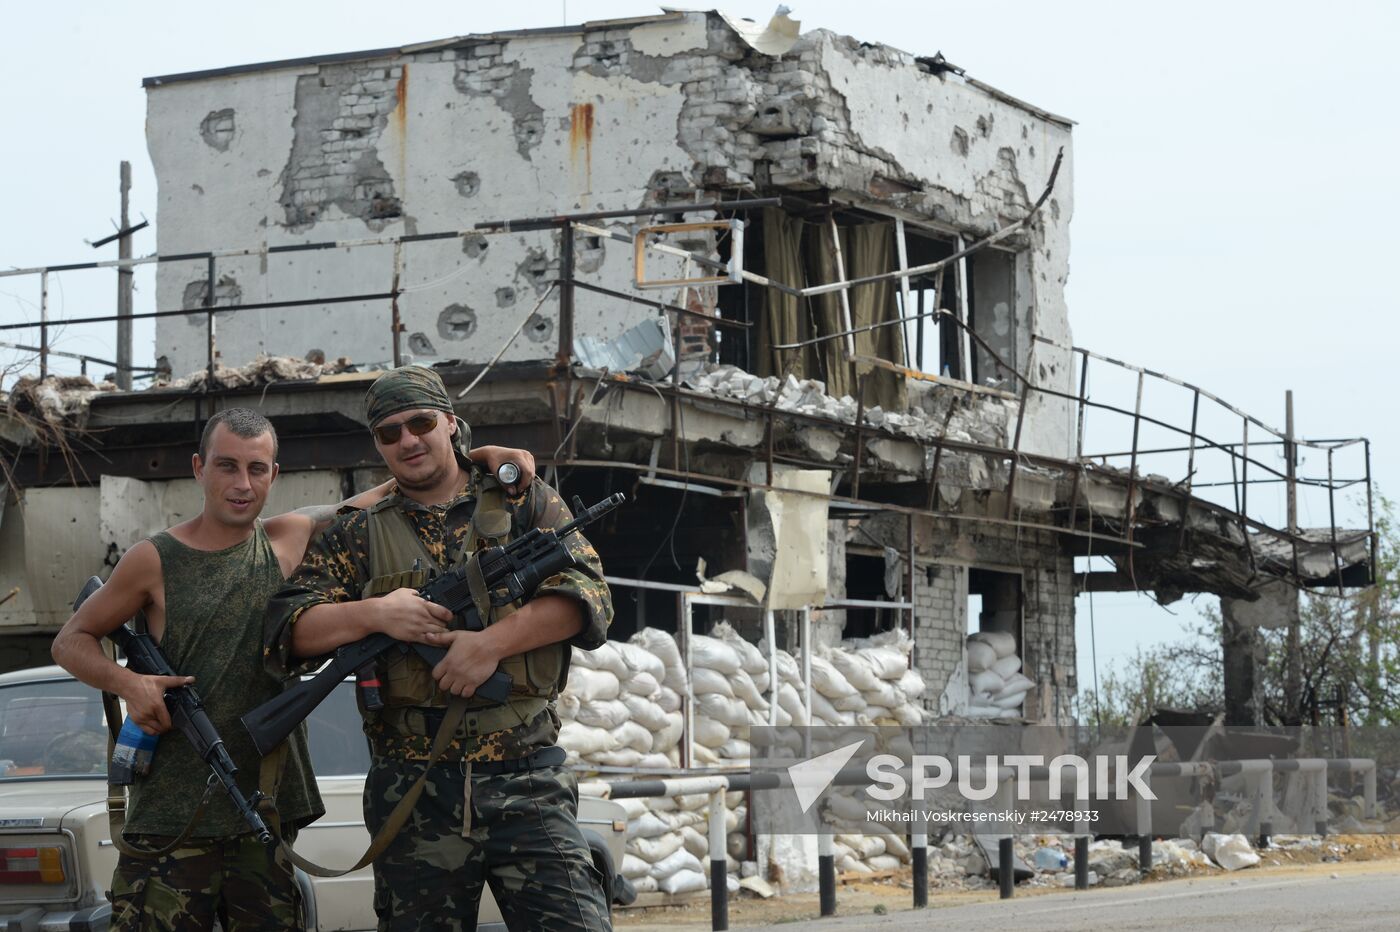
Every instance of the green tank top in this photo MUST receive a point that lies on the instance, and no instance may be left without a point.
(214, 607)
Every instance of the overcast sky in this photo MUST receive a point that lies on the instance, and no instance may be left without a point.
(1234, 175)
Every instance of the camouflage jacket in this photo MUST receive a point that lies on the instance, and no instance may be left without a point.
(337, 566)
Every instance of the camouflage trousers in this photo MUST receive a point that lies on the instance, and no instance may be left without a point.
(524, 841)
(238, 881)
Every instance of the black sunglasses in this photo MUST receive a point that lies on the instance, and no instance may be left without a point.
(418, 425)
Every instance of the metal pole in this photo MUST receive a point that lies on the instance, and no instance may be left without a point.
(1190, 470)
(43, 325)
(1293, 654)
(1016, 447)
(209, 324)
(918, 847)
(1079, 443)
(566, 301)
(719, 878)
(826, 873)
(395, 322)
(1006, 867)
(1081, 862)
(1370, 512)
(125, 284)
(1332, 520)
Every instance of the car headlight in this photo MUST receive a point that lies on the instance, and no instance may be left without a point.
(40, 864)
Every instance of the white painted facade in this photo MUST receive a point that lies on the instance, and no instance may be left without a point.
(612, 116)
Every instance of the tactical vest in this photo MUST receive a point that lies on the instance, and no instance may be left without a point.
(407, 681)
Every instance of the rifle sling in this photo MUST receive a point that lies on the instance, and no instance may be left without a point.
(452, 718)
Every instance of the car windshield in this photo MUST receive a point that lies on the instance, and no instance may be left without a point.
(51, 728)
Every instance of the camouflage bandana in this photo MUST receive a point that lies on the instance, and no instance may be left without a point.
(404, 389)
(411, 387)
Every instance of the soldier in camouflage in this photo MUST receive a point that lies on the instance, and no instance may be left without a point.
(499, 806)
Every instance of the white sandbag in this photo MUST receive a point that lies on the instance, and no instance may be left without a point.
(710, 732)
(911, 685)
(645, 884)
(641, 683)
(855, 669)
(1231, 852)
(888, 663)
(745, 691)
(592, 685)
(669, 736)
(788, 669)
(884, 694)
(1013, 701)
(883, 862)
(634, 867)
(695, 841)
(823, 710)
(656, 760)
(708, 682)
(986, 682)
(828, 681)
(663, 645)
(894, 844)
(983, 710)
(702, 755)
(682, 882)
(731, 712)
(877, 715)
(678, 860)
(631, 734)
(750, 657)
(757, 718)
(781, 716)
(844, 807)
(622, 757)
(1016, 683)
(909, 714)
(645, 713)
(634, 807)
(850, 865)
(980, 656)
(736, 749)
(791, 703)
(868, 846)
(603, 713)
(1006, 667)
(652, 850)
(606, 657)
(1001, 642)
(852, 703)
(640, 660)
(585, 741)
(736, 845)
(567, 706)
(760, 681)
(668, 699)
(714, 654)
(648, 825)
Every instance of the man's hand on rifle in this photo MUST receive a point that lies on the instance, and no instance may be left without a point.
(471, 659)
(405, 615)
(145, 701)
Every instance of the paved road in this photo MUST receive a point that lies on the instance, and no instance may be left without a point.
(1367, 899)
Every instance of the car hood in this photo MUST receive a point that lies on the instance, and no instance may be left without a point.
(45, 803)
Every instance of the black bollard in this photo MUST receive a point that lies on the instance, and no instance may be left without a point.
(719, 894)
(920, 877)
(1006, 868)
(1144, 853)
(826, 880)
(1081, 862)
(1266, 829)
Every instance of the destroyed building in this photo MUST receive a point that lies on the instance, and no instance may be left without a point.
(658, 253)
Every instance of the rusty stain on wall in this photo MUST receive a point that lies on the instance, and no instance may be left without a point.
(581, 138)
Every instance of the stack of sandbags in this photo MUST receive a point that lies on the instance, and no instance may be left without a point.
(617, 712)
(994, 675)
(727, 699)
(667, 846)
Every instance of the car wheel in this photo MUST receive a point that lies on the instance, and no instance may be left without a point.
(308, 900)
(603, 862)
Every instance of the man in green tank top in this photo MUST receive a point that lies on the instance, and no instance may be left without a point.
(203, 587)
(499, 806)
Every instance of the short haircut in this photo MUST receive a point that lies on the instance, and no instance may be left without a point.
(241, 422)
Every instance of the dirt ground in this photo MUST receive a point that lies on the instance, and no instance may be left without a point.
(1337, 854)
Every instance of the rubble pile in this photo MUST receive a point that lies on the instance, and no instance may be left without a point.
(808, 396)
(263, 370)
(52, 401)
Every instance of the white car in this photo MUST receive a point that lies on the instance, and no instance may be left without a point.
(56, 855)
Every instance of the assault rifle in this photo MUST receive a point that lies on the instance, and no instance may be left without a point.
(511, 573)
(186, 713)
